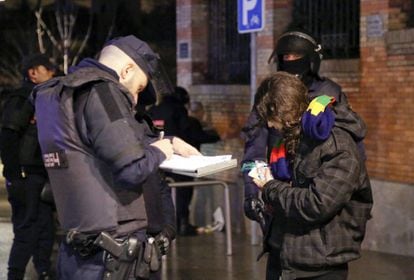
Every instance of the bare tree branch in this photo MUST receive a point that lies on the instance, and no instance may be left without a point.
(9, 68)
(48, 32)
(40, 33)
(59, 22)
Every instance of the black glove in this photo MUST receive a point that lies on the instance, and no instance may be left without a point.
(163, 243)
(253, 208)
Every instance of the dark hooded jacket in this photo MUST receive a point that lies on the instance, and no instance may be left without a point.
(174, 115)
(319, 219)
(18, 139)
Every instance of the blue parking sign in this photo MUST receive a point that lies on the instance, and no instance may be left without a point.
(250, 15)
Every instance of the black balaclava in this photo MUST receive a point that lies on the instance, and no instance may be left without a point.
(299, 66)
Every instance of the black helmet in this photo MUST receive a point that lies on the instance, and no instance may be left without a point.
(298, 42)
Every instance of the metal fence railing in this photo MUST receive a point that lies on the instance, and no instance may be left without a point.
(335, 23)
(229, 51)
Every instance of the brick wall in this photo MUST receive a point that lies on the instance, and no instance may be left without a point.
(386, 97)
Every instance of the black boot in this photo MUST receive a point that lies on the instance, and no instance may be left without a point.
(186, 229)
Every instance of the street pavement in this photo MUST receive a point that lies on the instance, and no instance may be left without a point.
(203, 258)
(6, 237)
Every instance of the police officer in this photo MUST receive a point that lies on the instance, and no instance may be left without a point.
(26, 176)
(98, 158)
(198, 132)
(298, 53)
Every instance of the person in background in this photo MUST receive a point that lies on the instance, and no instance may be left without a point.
(95, 140)
(198, 132)
(26, 176)
(157, 194)
(171, 116)
(318, 194)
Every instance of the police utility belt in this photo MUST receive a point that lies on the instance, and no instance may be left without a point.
(121, 257)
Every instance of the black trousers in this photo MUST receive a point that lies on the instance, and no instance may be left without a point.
(33, 226)
(273, 270)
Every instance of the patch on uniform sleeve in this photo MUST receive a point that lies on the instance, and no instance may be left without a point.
(108, 102)
(55, 159)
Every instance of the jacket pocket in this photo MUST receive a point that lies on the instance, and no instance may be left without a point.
(305, 248)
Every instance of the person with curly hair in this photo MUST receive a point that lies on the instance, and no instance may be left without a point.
(318, 193)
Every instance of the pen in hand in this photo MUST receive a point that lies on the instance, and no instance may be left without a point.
(164, 145)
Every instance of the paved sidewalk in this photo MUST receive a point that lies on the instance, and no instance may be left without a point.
(5, 241)
(203, 258)
(6, 237)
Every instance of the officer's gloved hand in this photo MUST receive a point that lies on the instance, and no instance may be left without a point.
(163, 243)
(253, 208)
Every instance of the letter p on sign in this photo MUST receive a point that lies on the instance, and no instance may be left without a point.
(250, 15)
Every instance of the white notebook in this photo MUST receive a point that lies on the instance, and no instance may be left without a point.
(198, 166)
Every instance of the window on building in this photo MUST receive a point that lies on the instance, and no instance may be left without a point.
(229, 51)
(401, 14)
(410, 14)
(335, 23)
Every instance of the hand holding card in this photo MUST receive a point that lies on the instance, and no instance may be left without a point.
(260, 173)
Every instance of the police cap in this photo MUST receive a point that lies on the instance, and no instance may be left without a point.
(149, 62)
(136, 49)
(34, 60)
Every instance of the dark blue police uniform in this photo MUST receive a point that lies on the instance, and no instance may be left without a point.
(98, 158)
(32, 218)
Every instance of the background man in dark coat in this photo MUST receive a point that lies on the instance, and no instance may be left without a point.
(26, 176)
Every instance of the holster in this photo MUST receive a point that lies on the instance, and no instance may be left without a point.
(130, 255)
(120, 256)
(83, 244)
(149, 260)
(47, 195)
